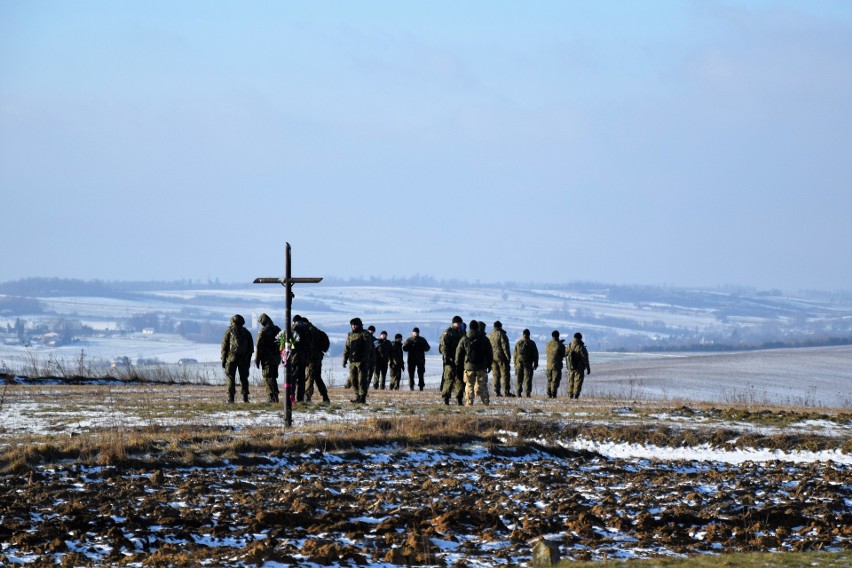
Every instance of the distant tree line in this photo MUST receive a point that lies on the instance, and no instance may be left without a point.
(780, 344)
(20, 305)
(52, 286)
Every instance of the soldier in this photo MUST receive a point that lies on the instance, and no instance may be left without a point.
(237, 348)
(356, 352)
(313, 373)
(299, 355)
(526, 361)
(396, 362)
(555, 354)
(474, 355)
(416, 347)
(268, 354)
(382, 352)
(502, 356)
(452, 382)
(578, 362)
(371, 367)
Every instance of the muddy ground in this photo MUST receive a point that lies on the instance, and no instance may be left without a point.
(478, 500)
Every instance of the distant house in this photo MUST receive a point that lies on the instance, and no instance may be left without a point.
(50, 339)
(120, 362)
(148, 331)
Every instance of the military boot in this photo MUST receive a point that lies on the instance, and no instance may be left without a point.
(231, 399)
(245, 398)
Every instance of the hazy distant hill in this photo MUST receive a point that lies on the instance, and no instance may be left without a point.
(610, 317)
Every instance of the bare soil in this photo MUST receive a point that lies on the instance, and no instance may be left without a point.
(389, 484)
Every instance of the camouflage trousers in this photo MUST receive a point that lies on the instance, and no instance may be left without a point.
(299, 378)
(313, 376)
(232, 366)
(380, 374)
(358, 378)
(524, 372)
(554, 377)
(475, 383)
(270, 380)
(502, 377)
(452, 384)
(395, 377)
(575, 383)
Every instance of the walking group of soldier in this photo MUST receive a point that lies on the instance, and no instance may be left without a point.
(305, 352)
(468, 355)
(369, 357)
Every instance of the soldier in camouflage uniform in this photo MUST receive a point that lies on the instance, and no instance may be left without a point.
(396, 362)
(578, 365)
(237, 348)
(356, 352)
(313, 372)
(452, 382)
(299, 356)
(555, 354)
(382, 348)
(267, 356)
(502, 356)
(416, 346)
(372, 366)
(475, 378)
(526, 361)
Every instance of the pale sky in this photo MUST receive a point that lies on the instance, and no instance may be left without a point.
(685, 143)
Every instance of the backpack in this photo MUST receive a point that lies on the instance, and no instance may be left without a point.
(576, 355)
(304, 338)
(476, 351)
(321, 340)
(240, 342)
(524, 351)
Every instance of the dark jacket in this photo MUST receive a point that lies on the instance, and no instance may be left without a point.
(416, 347)
(303, 340)
(268, 351)
(449, 343)
(382, 351)
(464, 347)
(397, 360)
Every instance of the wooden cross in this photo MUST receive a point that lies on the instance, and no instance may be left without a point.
(287, 282)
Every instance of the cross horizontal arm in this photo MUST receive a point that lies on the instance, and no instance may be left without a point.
(306, 280)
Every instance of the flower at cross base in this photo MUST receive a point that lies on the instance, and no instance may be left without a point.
(281, 339)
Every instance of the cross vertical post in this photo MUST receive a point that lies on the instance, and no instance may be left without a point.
(287, 282)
